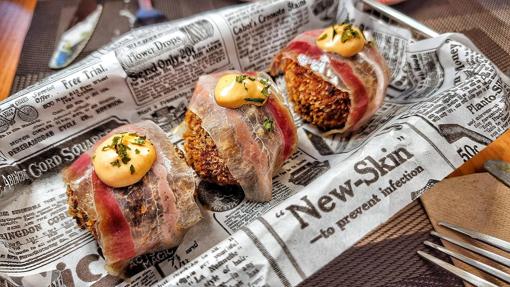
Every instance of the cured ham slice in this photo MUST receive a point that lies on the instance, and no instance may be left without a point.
(336, 93)
(150, 215)
(250, 153)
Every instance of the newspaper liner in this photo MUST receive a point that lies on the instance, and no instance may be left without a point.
(446, 102)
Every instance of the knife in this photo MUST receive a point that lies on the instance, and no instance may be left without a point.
(76, 36)
(147, 15)
(499, 169)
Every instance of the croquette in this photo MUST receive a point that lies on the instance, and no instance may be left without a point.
(202, 154)
(82, 218)
(315, 100)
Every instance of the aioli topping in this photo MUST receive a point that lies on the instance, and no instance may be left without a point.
(234, 90)
(345, 40)
(123, 159)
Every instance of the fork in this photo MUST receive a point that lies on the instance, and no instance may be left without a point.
(468, 277)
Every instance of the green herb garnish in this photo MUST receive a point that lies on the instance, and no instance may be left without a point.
(115, 140)
(334, 32)
(256, 100)
(241, 78)
(362, 29)
(349, 34)
(132, 169)
(251, 78)
(139, 140)
(265, 91)
(323, 36)
(121, 150)
(115, 163)
(268, 124)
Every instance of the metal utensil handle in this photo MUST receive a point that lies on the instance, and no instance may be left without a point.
(401, 18)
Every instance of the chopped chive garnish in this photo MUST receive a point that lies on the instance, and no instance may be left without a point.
(265, 91)
(132, 169)
(122, 152)
(362, 29)
(349, 33)
(139, 141)
(256, 100)
(121, 148)
(240, 78)
(268, 124)
(115, 140)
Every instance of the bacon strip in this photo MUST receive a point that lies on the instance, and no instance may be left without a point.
(112, 227)
(359, 97)
(366, 86)
(78, 168)
(285, 124)
(251, 154)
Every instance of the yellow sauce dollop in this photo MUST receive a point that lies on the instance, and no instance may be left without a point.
(345, 40)
(123, 159)
(234, 90)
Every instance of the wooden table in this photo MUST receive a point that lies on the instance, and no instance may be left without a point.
(15, 17)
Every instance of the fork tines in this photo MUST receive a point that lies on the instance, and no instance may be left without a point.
(468, 277)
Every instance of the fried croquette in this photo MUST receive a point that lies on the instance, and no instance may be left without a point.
(316, 100)
(202, 154)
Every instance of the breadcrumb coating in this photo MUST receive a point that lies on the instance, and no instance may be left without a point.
(315, 100)
(202, 154)
(81, 217)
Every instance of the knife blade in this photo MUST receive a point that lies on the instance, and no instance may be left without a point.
(77, 34)
(499, 169)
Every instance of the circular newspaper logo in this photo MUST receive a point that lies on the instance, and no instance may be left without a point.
(219, 198)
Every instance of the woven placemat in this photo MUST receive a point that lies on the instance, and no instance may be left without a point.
(485, 22)
(387, 256)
